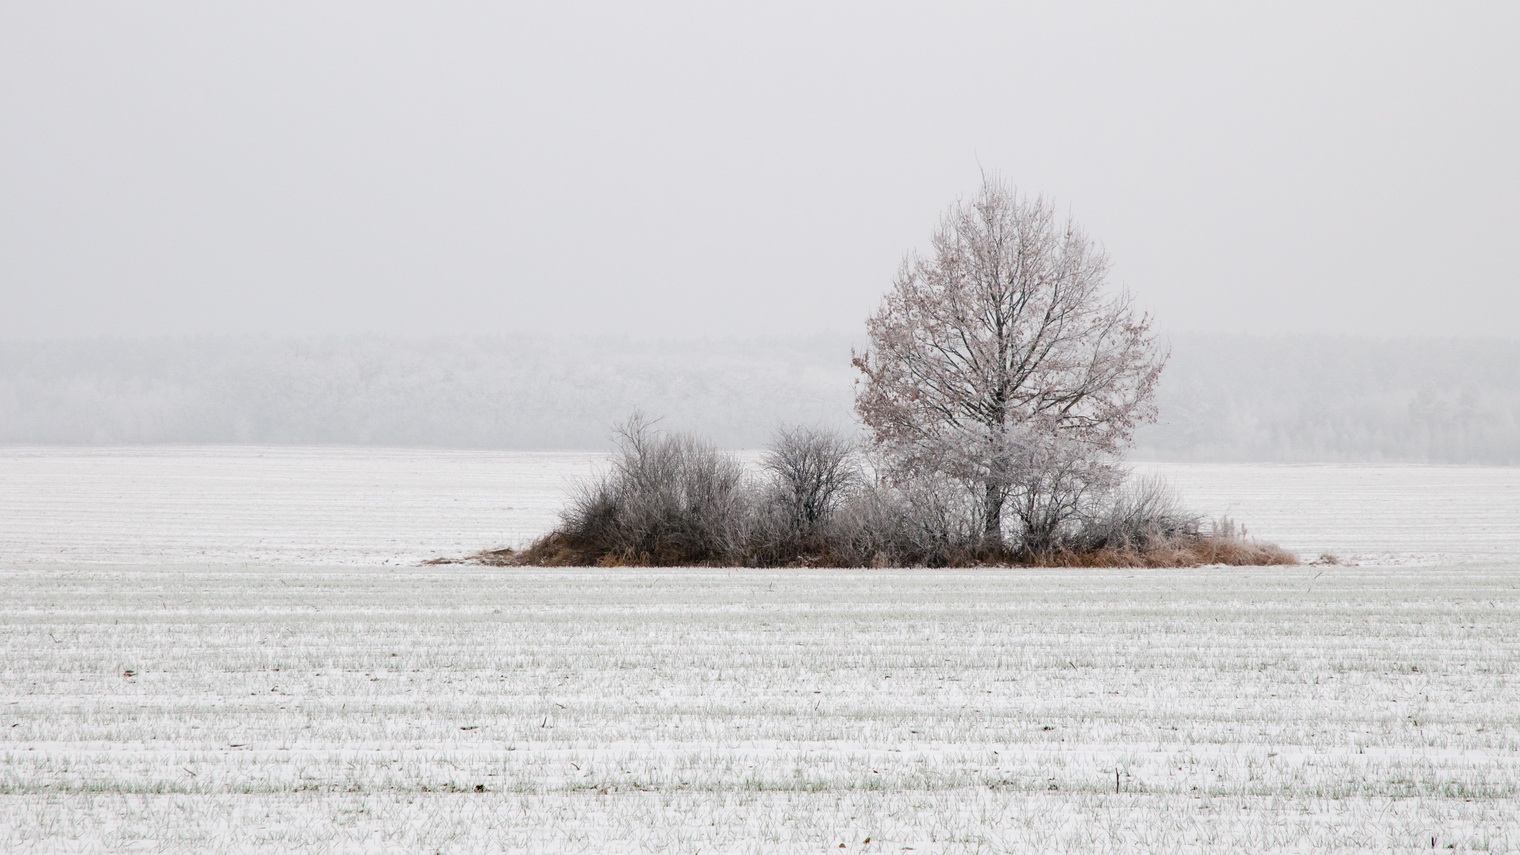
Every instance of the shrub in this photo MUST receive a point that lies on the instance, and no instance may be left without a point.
(1144, 525)
(669, 499)
(1141, 514)
(809, 472)
(931, 522)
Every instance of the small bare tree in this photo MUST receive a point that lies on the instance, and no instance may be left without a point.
(1001, 361)
(810, 468)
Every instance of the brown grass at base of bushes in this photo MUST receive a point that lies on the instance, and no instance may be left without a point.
(1183, 552)
(558, 549)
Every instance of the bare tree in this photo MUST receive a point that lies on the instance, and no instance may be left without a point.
(1001, 361)
(810, 468)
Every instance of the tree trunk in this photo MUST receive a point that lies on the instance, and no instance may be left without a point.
(992, 517)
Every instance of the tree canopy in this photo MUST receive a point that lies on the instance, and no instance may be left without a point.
(1002, 360)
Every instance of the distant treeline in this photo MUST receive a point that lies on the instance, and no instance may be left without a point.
(489, 392)
(1338, 399)
(1223, 398)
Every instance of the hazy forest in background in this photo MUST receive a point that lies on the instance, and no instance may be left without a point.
(1222, 398)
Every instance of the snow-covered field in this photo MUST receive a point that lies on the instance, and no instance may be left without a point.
(235, 650)
(179, 504)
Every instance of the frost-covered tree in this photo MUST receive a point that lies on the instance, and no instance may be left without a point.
(1001, 360)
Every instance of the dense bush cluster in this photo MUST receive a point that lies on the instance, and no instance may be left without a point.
(674, 499)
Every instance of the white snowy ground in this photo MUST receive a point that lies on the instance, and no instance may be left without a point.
(200, 651)
(227, 504)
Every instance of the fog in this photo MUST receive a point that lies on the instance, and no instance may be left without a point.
(721, 170)
(510, 225)
(1223, 398)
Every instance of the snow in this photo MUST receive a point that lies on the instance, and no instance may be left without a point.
(236, 650)
(1384, 513)
(272, 708)
(220, 504)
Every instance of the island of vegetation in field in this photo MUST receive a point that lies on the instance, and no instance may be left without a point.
(1000, 388)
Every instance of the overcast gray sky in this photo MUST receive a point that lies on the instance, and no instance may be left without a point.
(725, 168)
